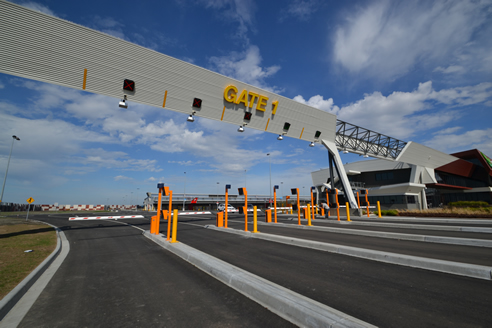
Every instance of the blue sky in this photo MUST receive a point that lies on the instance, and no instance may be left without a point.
(414, 70)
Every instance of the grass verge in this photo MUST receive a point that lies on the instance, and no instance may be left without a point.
(15, 238)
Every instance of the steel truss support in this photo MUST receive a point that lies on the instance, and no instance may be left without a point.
(336, 162)
(358, 140)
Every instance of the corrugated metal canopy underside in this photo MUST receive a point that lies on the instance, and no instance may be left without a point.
(49, 49)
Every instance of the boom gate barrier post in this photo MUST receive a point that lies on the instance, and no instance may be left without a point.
(275, 203)
(365, 192)
(219, 219)
(295, 191)
(243, 191)
(154, 227)
(312, 202)
(170, 211)
(327, 202)
(334, 201)
(379, 209)
(227, 187)
(309, 209)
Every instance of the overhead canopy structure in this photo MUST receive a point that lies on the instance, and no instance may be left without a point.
(49, 49)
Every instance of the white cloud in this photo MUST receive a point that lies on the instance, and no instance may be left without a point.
(450, 69)
(385, 39)
(114, 126)
(245, 67)
(449, 142)
(121, 177)
(240, 11)
(320, 103)
(300, 9)
(463, 96)
(403, 114)
(109, 26)
(449, 130)
(38, 7)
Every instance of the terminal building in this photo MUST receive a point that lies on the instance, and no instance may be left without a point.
(400, 185)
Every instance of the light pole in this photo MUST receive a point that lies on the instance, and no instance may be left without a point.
(218, 191)
(270, 162)
(245, 179)
(184, 197)
(8, 163)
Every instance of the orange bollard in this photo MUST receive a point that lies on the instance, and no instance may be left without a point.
(175, 226)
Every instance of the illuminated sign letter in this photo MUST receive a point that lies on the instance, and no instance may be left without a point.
(275, 105)
(243, 98)
(253, 97)
(262, 102)
(230, 96)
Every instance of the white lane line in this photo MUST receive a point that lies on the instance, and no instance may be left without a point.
(193, 224)
(128, 224)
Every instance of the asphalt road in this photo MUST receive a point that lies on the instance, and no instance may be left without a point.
(115, 277)
(456, 253)
(382, 294)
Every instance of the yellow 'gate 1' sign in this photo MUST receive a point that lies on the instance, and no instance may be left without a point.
(248, 99)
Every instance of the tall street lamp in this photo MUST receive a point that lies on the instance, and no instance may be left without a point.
(270, 162)
(8, 163)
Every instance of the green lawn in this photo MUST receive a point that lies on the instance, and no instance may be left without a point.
(15, 238)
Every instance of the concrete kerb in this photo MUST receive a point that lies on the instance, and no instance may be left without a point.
(287, 304)
(393, 235)
(415, 226)
(406, 219)
(462, 269)
(11, 299)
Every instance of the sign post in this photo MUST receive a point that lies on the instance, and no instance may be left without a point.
(29, 200)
